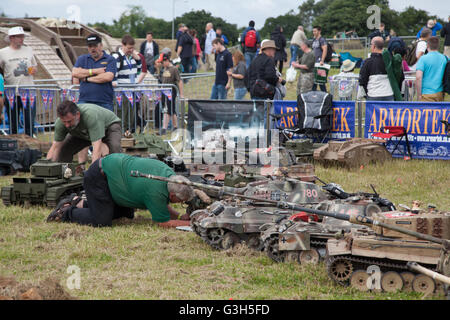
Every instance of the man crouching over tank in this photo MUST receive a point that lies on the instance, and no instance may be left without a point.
(113, 193)
(77, 127)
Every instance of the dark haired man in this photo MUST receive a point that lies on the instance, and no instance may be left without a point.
(250, 42)
(224, 63)
(129, 66)
(77, 127)
(319, 47)
(95, 72)
(150, 49)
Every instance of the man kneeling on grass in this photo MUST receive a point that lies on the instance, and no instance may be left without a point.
(113, 193)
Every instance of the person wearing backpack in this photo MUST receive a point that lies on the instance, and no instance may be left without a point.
(445, 33)
(280, 41)
(320, 49)
(418, 48)
(430, 72)
(250, 42)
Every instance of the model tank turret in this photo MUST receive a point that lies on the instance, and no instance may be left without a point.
(49, 182)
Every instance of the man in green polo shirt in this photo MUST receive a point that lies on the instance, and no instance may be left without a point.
(77, 127)
(112, 193)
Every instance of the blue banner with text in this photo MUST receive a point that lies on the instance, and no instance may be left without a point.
(424, 125)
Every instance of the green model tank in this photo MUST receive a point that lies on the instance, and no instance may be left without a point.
(50, 181)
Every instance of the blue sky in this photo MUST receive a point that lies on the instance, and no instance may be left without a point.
(234, 11)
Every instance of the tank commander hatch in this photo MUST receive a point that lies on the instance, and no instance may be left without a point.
(113, 193)
(77, 127)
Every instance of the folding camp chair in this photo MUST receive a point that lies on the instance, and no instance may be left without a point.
(389, 132)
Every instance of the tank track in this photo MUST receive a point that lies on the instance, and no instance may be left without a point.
(214, 237)
(359, 263)
(271, 247)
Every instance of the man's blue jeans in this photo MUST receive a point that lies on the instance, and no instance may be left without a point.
(249, 56)
(218, 92)
(239, 93)
(294, 50)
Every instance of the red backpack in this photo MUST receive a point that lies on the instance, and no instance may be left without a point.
(250, 39)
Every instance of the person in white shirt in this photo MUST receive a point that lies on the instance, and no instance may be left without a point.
(19, 65)
(421, 48)
(209, 50)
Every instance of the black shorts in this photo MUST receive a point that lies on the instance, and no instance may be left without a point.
(169, 106)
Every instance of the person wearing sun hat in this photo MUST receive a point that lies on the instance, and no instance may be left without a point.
(346, 81)
(19, 65)
(263, 69)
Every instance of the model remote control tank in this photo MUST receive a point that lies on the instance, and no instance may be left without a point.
(377, 258)
(49, 182)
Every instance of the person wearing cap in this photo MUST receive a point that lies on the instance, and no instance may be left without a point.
(95, 72)
(305, 63)
(434, 25)
(170, 75)
(346, 80)
(263, 68)
(113, 193)
(224, 64)
(19, 65)
(445, 33)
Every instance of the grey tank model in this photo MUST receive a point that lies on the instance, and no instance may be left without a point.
(305, 241)
(50, 181)
(226, 223)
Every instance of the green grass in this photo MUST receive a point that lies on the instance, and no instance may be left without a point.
(138, 260)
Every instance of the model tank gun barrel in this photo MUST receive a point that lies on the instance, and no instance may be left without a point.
(219, 190)
(363, 220)
(414, 266)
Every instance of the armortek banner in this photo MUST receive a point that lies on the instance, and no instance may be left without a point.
(422, 120)
(343, 123)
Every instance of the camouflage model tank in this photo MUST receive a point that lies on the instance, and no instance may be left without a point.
(145, 145)
(352, 153)
(377, 258)
(227, 223)
(50, 182)
(305, 241)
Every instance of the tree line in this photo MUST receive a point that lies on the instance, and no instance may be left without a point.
(332, 15)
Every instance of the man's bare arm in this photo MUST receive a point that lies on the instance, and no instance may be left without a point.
(83, 73)
(54, 151)
(419, 76)
(102, 78)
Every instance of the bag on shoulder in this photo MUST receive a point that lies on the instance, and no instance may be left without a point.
(263, 89)
(446, 80)
(250, 39)
(411, 58)
(330, 51)
(119, 58)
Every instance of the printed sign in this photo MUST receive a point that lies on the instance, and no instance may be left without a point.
(343, 122)
(422, 120)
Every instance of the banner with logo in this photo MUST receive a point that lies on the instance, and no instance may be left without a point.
(426, 133)
(343, 121)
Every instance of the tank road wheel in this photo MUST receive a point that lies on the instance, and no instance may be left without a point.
(340, 270)
(271, 248)
(254, 242)
(391, 281)
(408, 278)
(423, 284)
(358, 280)
(309, 256)
(214, 238)
(291, 256)
(229, 240)
(440, 288)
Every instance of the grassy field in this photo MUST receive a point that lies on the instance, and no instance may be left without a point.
(137, 260)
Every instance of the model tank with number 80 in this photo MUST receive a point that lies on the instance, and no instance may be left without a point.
(50, 181)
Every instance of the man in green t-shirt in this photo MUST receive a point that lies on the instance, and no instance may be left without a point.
(112, 193)
(77, 127)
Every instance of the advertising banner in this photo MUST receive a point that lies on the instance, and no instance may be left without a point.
(343, 122)
(423, 122)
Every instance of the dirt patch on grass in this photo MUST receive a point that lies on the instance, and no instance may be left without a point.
(49, 289)
(64, 234)
(241, 250)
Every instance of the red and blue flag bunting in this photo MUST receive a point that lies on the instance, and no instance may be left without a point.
(23, 93)
(129, 95)
(32, 97)
(168, 94)
(119, 98)
(10, 94)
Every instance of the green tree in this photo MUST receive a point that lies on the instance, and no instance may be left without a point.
(288, 22)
